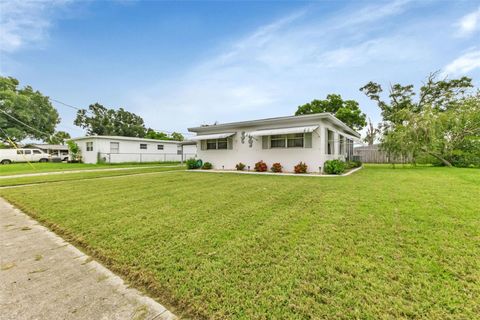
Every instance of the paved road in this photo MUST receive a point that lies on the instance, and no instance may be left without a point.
(44, 277)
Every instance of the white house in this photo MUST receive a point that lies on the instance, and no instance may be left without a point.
(311, 139)
(117, 149)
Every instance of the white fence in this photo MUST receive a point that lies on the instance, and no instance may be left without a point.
(143, 157)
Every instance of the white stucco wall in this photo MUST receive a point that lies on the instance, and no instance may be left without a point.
(288, 157)
(129, 150)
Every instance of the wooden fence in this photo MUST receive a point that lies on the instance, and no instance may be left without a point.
(372, 154)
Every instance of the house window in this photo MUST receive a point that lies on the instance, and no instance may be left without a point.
(342, 145)
(89, 146)
(330, 142)
(287, 141)
(143, 146)
(278, 141)
(295, 140)
(114, 147)
(159, 146)
(217, 144)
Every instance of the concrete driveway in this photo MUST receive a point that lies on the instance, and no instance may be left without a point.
(44, 277)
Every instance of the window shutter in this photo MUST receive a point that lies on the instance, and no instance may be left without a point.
(308, 139)
(265, 142)
(230, 143)
(203, 144)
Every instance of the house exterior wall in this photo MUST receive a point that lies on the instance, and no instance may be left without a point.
(129, 150)
(314, 157)
(189, 151)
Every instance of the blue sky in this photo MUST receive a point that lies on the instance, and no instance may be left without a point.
(186, 63)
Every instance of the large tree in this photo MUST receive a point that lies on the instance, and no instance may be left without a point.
(347, 111)
(98, 120)
(437, 121)
(372, 133)
(25, 113)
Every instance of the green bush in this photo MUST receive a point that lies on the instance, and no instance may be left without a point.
(192, 163)
(207, 166)
(335, 166)
(353, 164)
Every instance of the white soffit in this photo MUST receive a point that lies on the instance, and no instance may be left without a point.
(212, 136)
(271, 132)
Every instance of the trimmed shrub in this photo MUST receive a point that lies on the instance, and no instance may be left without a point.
(301, 168)
(207, 166)
(240, 166)
(261, 166)
(334, 166)
(276, 167)
(353, 164)
(192, 163)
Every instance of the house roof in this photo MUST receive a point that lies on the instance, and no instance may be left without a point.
(288, 120)
(127, 139)
(51, 146)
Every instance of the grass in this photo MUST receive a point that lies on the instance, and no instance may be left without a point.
(379, 244)
(36, 167)
(5, 182)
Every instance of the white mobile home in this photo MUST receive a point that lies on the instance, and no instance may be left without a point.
(117, 149)
(311, 139)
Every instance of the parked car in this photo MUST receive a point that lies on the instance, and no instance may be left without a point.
(23, 155)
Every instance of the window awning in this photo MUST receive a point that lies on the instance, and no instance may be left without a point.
(212, 136)
(271, 132)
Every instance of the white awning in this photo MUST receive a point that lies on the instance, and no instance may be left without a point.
(212, 136)
(271, 132)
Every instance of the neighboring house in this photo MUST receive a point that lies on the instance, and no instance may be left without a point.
(55, 150)
(116, 149)
(312, 139)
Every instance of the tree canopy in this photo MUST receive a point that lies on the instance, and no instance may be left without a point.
(59, 137)
(25, 113)
(153, 134)
(347, 111)
(98, 120)
(442, 120)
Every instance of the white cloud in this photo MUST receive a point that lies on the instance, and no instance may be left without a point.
(463, 64)
(469, 23)
(277, 67)
(24, 23)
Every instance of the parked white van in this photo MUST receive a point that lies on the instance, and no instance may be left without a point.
(23, 155)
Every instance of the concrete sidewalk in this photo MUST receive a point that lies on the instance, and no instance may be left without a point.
(23, 175)
(44, 277)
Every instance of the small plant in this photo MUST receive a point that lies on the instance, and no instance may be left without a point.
(301, 168)
(240, 166)
(75, 151)
(207, 166)
(193, 163)
(276, 167)
(261, 166)
(335, 166)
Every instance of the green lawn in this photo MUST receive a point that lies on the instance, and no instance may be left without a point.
(5, 182)
(381, 243)
(36, 167)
